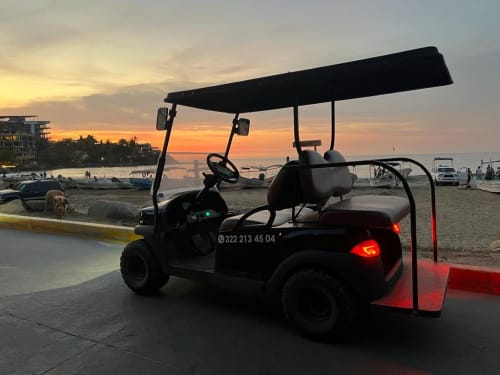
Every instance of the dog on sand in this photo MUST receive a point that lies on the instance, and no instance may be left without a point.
(60, 204)
(57, 201)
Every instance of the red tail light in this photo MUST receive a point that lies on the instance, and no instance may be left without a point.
(367, 249)
(396, 228)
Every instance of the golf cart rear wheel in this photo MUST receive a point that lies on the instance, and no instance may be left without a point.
(140, 269)
(318, 305)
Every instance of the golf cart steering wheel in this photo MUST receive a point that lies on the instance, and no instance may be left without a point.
(223, 168)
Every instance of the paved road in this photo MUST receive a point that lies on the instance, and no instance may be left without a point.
(32, 262)
(99, 327)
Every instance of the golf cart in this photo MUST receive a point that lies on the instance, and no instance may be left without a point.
(325, 254)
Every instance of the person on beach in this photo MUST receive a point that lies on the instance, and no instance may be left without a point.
(469, 178)
(479, 172)
(489, 173)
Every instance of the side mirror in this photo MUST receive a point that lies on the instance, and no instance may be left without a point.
(243, 126)
(161, 118)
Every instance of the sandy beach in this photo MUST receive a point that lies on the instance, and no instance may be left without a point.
(468, 220)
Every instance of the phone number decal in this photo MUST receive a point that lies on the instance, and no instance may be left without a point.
(246, 238)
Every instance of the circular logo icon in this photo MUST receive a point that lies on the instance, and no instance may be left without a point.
(220, 238)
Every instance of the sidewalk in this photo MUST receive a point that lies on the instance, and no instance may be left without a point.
(462, 277)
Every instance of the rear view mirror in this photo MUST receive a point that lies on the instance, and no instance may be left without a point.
(243, 126)
(161, 119)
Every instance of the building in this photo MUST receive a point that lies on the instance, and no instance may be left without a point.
(21, 135)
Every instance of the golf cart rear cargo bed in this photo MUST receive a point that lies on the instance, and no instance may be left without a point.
(432, 285)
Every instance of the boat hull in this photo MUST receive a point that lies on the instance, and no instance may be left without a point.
(141, 183)
(491, 186)
(246, 183)
(103, 184)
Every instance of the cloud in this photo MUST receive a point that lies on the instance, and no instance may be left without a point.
(107, 65)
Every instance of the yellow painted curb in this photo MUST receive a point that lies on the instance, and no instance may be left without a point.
(66, 227)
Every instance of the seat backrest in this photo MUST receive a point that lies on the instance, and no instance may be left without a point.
(285, 191)
(317, 184)
(341, 175)
(295, 186)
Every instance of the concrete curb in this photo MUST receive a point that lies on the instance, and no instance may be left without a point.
(66, 227)
(462, 277)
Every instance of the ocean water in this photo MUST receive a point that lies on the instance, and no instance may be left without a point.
(460, 161)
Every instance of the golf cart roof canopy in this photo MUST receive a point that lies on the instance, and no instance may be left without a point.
(397, 72)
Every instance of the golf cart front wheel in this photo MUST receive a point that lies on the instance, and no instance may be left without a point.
(318, 305)
(140, 269)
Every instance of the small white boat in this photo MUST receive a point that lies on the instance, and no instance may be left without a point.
(491, 186)
(142, 179)
(489, 181)
(103, 184)
(12, 178)
(380, 177)
(69, 182)
(254, 177)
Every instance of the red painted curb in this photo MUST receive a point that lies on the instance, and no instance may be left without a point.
(474, 279)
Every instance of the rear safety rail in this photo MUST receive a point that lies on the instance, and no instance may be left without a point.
(413, 228)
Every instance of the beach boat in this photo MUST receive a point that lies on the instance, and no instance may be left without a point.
(13, 178)
(139, 183)
(177, 175)
(103, 184)
(142, 179)
(253, 177)
(69, 182)
(489, 182)
(379, 177)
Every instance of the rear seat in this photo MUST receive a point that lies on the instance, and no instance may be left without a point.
(366, 211)
(319, 184)
(292, 188)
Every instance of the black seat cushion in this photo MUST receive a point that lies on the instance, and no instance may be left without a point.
(376, 211)
(262, 218)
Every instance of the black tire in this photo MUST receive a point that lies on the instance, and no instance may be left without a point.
(140, 269)
(318, 305)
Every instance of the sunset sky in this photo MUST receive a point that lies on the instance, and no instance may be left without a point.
(103, 68)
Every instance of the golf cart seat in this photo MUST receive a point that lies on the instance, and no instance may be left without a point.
(284, 199)
(365, 210)
(293, 188)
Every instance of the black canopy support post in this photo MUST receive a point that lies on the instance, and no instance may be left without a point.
(296, 128)
(233, 131)
(332, 137)
(161, 164)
